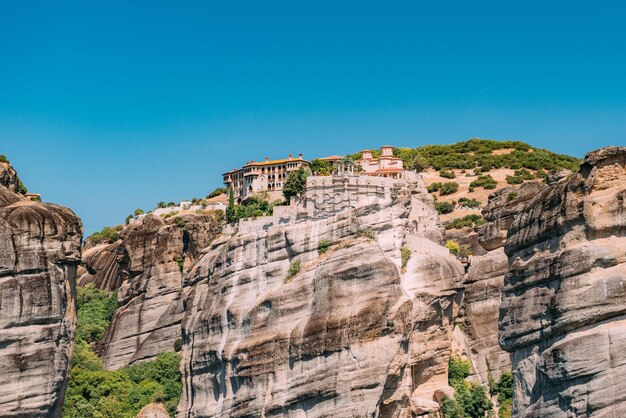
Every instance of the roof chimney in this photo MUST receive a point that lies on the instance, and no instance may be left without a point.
(300, 156)
(290, 156)
(267, 158)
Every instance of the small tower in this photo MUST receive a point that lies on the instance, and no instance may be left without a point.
(386, 151)
(366, 154)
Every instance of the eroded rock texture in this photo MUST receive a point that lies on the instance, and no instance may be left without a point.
(484, 280)
(39, 253)
(562, 315)
(349, 333)
(146, 267)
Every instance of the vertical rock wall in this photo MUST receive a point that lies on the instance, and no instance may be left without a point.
(562, 316)
(39, 254)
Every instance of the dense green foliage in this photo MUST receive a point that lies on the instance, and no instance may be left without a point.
(470, 203)
(98, 393)
(470, 399)
(444, 207)
(511, 196)
(95, 309)
(447, 174)
(3, 158)
(218, 191)
(321, 167)
(449, 187)
(295, 185)
(21, 189)
(250, 208)
(486, 182)
(323, 246)
(503, 387)
(470, 221)
(109, 234)
(435, 187)
(477, 153)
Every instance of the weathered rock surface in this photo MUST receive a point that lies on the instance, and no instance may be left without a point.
(146, 265)
(39, 253)
(352, 333)
(563, 313)
(484, 280)
(8, 177)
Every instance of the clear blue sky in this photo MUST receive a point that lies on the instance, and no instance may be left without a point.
(112, 106)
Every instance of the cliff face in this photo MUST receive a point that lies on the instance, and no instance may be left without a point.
(484, 280)
(146, 265)
(39, 253)
(563, 310)
(348, 333)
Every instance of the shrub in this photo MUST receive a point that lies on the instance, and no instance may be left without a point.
(450, 408)
(294, 269)
(21, 189)
(180, 260)
(180, 222)
(524, 174)
(161, 205)
(448, 188)
(505, 410)
(138, 212)
(434, 187)
(218, 191)
(322, 246)
(470, 221)
(178, 345)
(486, 182)
(514, 180)
(405, 255)
(447, 174)
(470, 203)
(511, 196)
(366, 233)
(443, 208)
(3, 158)
(107, 235)
(458, 369)
(418, 164)
(453, 246)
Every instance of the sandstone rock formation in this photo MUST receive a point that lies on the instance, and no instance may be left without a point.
(146, 265)
(485, 278)
(562, 316)
(39, 253)
(318, 317)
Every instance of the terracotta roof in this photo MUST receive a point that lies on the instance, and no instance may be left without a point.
(332, 158)
(389, 169)
(271, 162)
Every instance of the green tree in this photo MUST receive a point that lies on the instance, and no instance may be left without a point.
(161, 205)
(231, 212)
(418, 163)
(138, 212)
(295, 185)
(321, 167)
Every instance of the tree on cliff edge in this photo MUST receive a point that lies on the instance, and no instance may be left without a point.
(295, 184)
(231, 212)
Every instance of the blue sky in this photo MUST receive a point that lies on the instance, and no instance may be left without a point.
(108, 107)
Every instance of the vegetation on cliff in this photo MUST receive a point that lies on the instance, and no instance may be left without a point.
(470, 399)
(99, 393)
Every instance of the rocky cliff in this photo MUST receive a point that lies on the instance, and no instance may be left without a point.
(562, 316)
(146, 266)
(319, 317)
(483, 282)
(39, 253)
